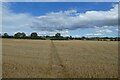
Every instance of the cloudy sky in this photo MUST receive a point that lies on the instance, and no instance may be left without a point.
(90, 19)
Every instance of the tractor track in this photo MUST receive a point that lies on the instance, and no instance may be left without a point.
(58, 70)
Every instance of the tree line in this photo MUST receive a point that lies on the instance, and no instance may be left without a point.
(57, 36)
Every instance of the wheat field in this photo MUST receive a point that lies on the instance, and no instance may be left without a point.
(59, 59)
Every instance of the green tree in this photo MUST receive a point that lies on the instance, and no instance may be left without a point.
(5, 35)
(83, 37)
(34, 35)
(20, 35)
(70, 37)
(57, 35)
(23, 34)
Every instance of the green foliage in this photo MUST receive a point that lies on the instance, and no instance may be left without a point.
(5, 35)
(34, 35)
(20, 35)
(58, 36)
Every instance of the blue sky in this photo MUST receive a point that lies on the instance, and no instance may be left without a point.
(41, 8)
(68, 18)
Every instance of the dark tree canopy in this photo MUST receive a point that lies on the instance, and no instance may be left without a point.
(34, 35)
(5, 35)
(57, 35)
(20, 35)
(83, 37)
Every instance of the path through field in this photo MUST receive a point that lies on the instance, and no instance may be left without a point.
(58, 70)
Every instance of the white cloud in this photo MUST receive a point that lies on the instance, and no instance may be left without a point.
(12, 22)
(103, 30)
(72, 20)
(117, 29)
(61, 21)
(92, 35)
(63, 33)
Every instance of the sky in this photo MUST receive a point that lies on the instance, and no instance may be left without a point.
(77, 19)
